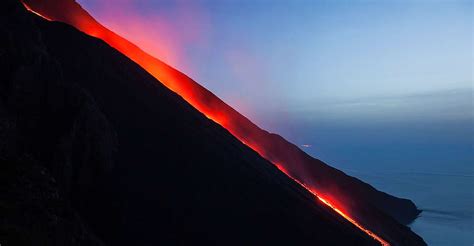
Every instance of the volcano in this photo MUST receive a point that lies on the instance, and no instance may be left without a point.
(133, 152)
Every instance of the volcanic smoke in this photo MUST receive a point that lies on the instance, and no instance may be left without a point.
(285, 156)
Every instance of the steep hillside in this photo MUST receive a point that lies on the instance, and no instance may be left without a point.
(361, 199)
(94, 150)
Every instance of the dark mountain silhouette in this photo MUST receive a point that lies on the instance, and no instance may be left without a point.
(95, 151)
(359, 200)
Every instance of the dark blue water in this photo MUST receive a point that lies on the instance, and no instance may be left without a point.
(439, 179)
(437, 174)
(431, 163)
(446, 199)
(443, 190)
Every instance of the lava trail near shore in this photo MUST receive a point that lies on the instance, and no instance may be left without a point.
(203, 100)
(341, 213)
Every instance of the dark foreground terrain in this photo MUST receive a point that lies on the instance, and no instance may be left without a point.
(95, 151)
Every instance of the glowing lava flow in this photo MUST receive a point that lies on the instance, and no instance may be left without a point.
(36, 13)
(344, 215)
(276, 150)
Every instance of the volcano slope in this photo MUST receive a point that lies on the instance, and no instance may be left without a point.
(96, 151)
(349, 194)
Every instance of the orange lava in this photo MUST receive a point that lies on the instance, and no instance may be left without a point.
(341, 213)
(36, 13)
(196, 95)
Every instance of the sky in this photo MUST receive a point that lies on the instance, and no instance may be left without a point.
(380, 89)
(320, 73)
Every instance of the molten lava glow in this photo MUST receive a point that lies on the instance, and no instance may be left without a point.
(327, 203)
(207, 103)
(36, 13)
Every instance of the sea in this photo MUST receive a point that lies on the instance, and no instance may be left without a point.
(445, 198)
(438, 178)
(430, 164)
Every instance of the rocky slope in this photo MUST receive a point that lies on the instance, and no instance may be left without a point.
(95, 151)
(350, 194)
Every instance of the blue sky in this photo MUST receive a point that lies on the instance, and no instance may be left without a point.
(330, 74)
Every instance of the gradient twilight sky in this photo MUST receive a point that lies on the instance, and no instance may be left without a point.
(318, 72)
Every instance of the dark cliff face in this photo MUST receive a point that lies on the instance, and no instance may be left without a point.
(95, 151)
(54, 141)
